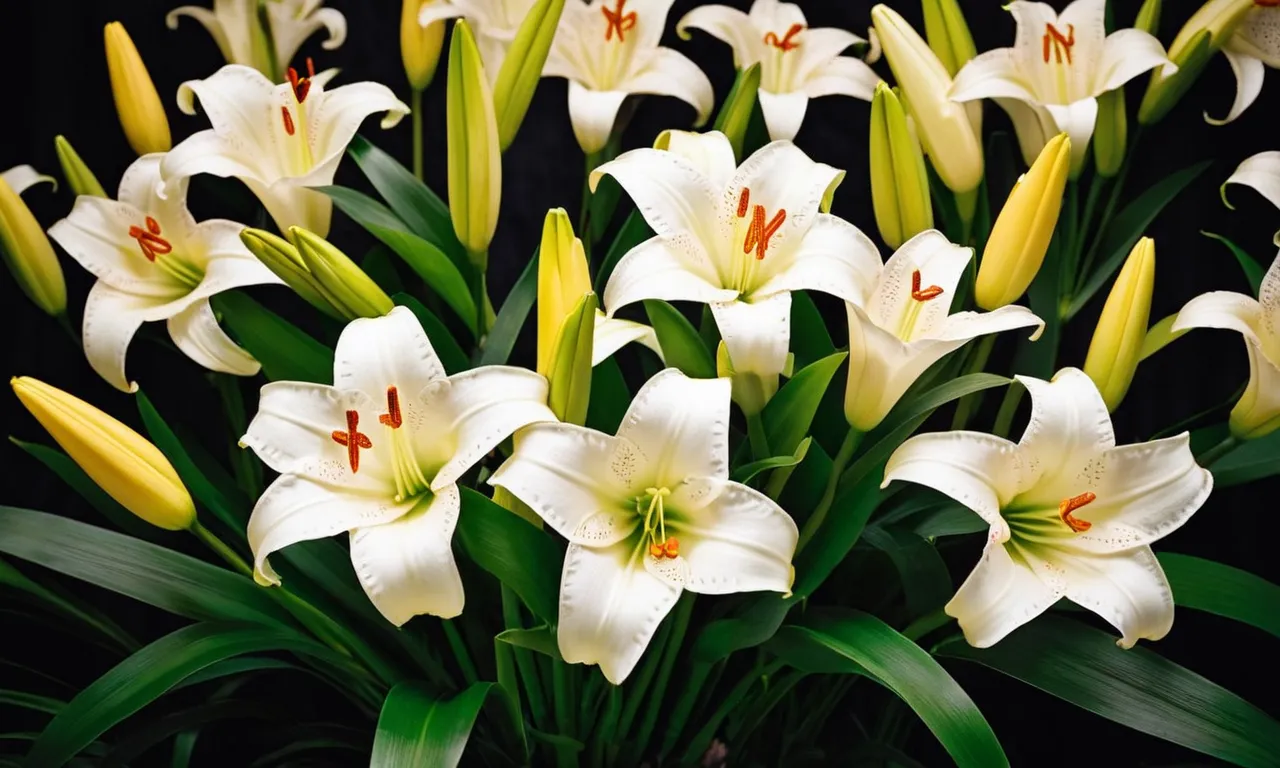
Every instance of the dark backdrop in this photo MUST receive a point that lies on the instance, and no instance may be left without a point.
(57, 83)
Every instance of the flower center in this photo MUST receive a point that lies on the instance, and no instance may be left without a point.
(760, 230)
(299, 149)
(353, 439)
(153, 245)
(1070, 505)
(1060, 44)
(788, 41)
(919, 295)
(617, 22)
(651, 506)
(409, 479)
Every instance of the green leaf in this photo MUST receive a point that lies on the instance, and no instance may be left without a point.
(744, 473)
(451, 355)
(790, 412)
(13, 578)
(753, 621)
(610, 397)
(810, 340)
(155, 575)
(413, 201)
(869, 646)
(1222, 590)
(850, 511)
(506, 327)
(1129, 225)
(520, 555)
(1134, 687)
(286, 353)
(146, 675)
(31, 701)
(205, 492)
(539, 639)
(1250, 461)
(926, 583)
(381, 268)
(1253, 271)
(682, 347)
(634, 232)
(415, 728)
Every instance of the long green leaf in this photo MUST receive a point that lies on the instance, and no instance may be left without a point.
(506, 327)
(682, 347)
(1134, 687)
(790, 412)
(285, 351)
(810, 340)
(872, 647)
(744, 473)
(1220, 589)
(452, 357)
(417, 729)
(518, 554)
(1253, 460)
(634, 231)
(926, 584)
(146, 675)
(539, 639)
(750, 623)
(1253, 271)
(155, 575)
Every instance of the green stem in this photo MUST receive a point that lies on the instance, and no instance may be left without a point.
(221, 549)
(731, 701)
(843, 456)
(415, 112)
(680, 625)
(460, 653)
(1008, 409)
(1228, 444)
(525, 664)
(679, 718)
(248, 472)
(756, 434)
(1107, 212)
(926, 624)
(639, 684)
(970, 402)
(584, 214)
(560, 687)
(480, 296)
(1070, 217)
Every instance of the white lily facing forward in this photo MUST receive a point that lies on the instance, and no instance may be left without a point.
(1071, 513)
(740, 239)
(378, 454)
(1059, 64)
(278, 139)
(797, 62)
(234, 26)
(154, 262)
(608, 50)
(648, 513)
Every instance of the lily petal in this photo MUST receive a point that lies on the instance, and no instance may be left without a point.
(209, 20)
(1033, 124)
(612, 334)
(971, 325)
(196, 332)
(983, 472)
(1262, 173)
(1000, 595)
(656, 269)
(140, 188)
(291, 204)
(292, 433)
(783, 113)
(842, 76)
(833, 256)
(882, 367)
(670, 73)
(757, 334)
(1077, 120)
(289, 32)
(990, 75)
(710, 153)
(1069, 427)
(234, 99)
(610, 606)
(1126, 54)
(96, 234)
(726, 24)
(340, 112)
(1250, 73)
(940, 263)
(680, 427)
(111, 318)
(1128, 589)
(406, 566)
(593, 114)
(1226, 310)
(376, 353)
(781, 177)
(205, 152)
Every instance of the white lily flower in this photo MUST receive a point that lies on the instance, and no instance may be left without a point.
(797, 63)
(648, 513)
(1071, 513)
(494, 22)
(1258, 411)
(154, 262)
(613, 333)
(233, 24)
(608, 50)
(278, 139)
(1050, 79)
(379, 454)
(739, 239)
(1262, 173)
(906, 325)
(1254, 46)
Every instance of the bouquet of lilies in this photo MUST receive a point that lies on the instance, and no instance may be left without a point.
(693, 505)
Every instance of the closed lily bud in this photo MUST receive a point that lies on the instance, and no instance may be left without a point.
(563, 279)
(1020, 238)
(1122, 328)
(281, 257)
(948, 34)
(1204, 34)
(353, 293)
(569, 379)
(137, 103)
(475, 157)
(944, 126)
(735, 113)
(1110, 133)
(78, 176)
(25, 247)
(522, 67)
(1148, 19)
(419, 46)
(123, 463)
(899, 182)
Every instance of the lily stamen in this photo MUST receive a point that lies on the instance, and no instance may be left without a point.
(149, 239)
(302, 85)
(617, 21)
(392, 418)
(655, 530)
(787, 43)
(288, 120)
(759, 233)
(923, 294)
(1069, 505)
(353, 439)
(1059, 43)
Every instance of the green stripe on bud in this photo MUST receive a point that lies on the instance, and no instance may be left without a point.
(948, 34)
(570, 377)
(475, 160)
(735, 114)
(281, 257)
(78, 176)
(522, 67)
(1111, 133)
(899, 182)
(1118, 337)
(345, 285)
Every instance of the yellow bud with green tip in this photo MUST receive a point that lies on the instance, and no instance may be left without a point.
(563, 279)
(137, 102)
(122, 462)
(24, 246)
(475, 158)
(419, 46)
(948, 34)
(735, 114)
(1020, 238)
(899, 182)
(1118, 338)
(569, 377)
(522, 67)
(353, 293)
(78, 176)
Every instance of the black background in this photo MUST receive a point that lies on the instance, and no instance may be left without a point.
(56, 82)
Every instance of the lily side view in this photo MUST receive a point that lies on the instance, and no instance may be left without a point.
(790, 425)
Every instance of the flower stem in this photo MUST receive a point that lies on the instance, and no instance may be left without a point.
(247, 470)
(847, 449)
(1107, 212)
(563, 709)
(1008, 409)
(970, 402)
(65, 323)
(926, 624)
(525, 664)
(221, 549)
(1209, 457)
(680, 625)
(756, 434)
(584, 214)
(459, 649)
(415, 112)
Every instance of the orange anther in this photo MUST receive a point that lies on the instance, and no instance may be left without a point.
(149, 239)
(672, 547)
(301, 85)
(787, 42)
(744, 199)
(288, 120)
(923, 294)
(1067, 506)
(759, 232)
(1059, 43)
(617, 21)
(353, 439)
(392, 417)
(655, 549)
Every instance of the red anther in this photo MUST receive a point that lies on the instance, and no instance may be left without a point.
(149, 239)
(1067, 506)
(392, 417)
(744, 199)
(353, 439)
(617, 21)
(787, 42)
(1266, 3)
(311, 67)
(1060, 44)
(759, 233)
(288, 120)
(301, 85)
(923, 294)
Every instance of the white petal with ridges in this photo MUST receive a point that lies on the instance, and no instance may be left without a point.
(111, 318)
(941, 263)
(336, 115)
(593, 114)
(780, 176)
(680, 427)
(1250, 74)
(726, 24)
(1262, 173)
(291, 204)
(990, 75)
(882, 367)
(833, 256)
(842, 76)
(1077, 120)
(1128, 589)
(1126, 54)
(292, 431)
(757, 334)
(612, 334)
(1069, 428)
(196, 332)
(210, 21)
(783, 113)
(1033, 124)
(376, 353)
(20, 178)
(669, 73)
(709, 153)
(96, 234)
(963, 326)
(983, 472)
(289, 30)
(655, 269)
(1226, 310)
(1000, 595)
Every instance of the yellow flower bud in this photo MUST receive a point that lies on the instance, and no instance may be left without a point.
(137, 103)
(347, 288)
(1110, 133)
(123, 463)
(522, 67)
(948, 34)
(946, 132)
(78, 176)
(899, 182)
(1020, 238)
(281, 257)
(475, 159)
(1122, 328)
(1148, 19)
(419, 46)
(569, 377)
(735, 114)
(25, 247)
(562, 280)
(1204, 34)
